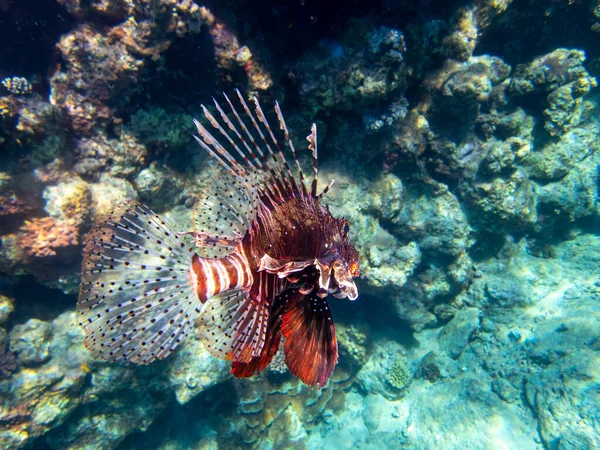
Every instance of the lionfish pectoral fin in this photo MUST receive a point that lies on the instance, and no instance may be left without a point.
(284, 267)
(310, 347)
(223, 214)
(233, 326)
(272, 341)
(135, 301)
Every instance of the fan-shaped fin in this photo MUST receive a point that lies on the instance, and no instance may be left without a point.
(223, 214)
(273, 338)
(233, 325)
(310, 344)
(135, 301)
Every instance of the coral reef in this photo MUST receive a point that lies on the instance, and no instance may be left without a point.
(465, 144)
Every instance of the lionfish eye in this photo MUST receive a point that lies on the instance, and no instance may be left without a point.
(346, 229)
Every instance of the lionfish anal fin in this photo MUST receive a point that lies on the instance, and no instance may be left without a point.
(233, 326)
(258, 363)
(310, 348)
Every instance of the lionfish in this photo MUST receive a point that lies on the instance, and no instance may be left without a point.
(266, 256)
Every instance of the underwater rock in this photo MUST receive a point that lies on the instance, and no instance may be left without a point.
(502, 156)
(192, 370)
(7, 306)
(45, 237)
(563, 79)
(549, 72)
(392, 264)
(455, 336)
(353, 343)
(110, 9)
(31, 342)
(503, 203)
(159, 130)
(557, 159)
(573, 197)
(120, 157)
(154, 185)
(459, 91)
(432, 367)
(567, 108)
(8, 361)
(505, 390)
(369, 67)
(70, 201)
(108, 192)
(97, 70)
(386, 371)
(560, 392)
(462, 39)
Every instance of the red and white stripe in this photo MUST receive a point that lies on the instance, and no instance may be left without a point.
(212, 276)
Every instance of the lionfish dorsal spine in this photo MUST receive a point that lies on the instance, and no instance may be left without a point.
(271, 189)
(290, 177)
(279, 179)
(290, 143)
(232, 128)
(258, 152)
(312, 146)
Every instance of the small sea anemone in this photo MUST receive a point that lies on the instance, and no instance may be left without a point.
(399, 376)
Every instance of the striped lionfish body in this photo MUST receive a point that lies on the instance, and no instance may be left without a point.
(266, 256)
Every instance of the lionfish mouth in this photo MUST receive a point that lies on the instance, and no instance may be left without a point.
(322, 278)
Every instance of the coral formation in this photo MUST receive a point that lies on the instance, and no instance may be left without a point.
(399, 376)
(43, 237)
(465, 144)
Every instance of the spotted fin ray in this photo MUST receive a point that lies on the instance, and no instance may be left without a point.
(223, 214)
(310, 349)
(135, 300)
(272, 340)
(233, 326)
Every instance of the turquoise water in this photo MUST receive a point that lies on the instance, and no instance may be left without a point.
(464, 143)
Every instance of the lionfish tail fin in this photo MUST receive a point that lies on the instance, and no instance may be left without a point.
(310, 348)
(135, 300)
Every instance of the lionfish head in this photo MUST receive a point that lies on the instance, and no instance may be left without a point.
(338, 264)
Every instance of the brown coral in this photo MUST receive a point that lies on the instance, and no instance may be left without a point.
(229, 54)
(42, 237)
(12, 205)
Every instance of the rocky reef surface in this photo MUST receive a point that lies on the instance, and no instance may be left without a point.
(464, 140)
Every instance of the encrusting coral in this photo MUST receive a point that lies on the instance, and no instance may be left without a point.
(43, 237)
